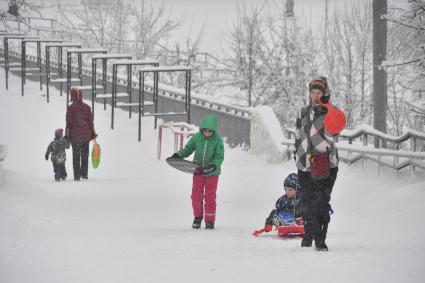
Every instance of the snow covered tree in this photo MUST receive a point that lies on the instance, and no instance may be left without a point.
(347, 61)
(16, 7)
(405, 66)
(273, 57)
(411, 20)
(289, 63)
(152, 26)
(90, 23)
(245, 42)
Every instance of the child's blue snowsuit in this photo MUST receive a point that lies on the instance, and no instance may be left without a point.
(285, 212)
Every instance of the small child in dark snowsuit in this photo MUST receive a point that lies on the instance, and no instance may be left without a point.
(57, 149)
(287, 211)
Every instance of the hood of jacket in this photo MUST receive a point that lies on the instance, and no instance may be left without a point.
(76, 95)
(209, 122)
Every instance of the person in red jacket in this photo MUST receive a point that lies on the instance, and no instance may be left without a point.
(80, 130)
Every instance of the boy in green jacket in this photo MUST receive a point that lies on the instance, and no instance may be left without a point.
(209, 154)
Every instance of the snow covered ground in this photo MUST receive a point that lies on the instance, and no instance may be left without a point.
(131, 221)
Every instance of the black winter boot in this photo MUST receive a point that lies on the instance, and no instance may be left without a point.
(209, 225)
(197, 223)
(306, 241)
(321, 246)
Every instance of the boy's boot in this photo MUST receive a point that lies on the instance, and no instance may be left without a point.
(197, 223)
(209, 225)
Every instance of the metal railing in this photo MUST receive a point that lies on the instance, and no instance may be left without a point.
(358, 145)
(234, 125)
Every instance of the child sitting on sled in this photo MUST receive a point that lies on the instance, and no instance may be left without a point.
(286, 212)
(57, 149)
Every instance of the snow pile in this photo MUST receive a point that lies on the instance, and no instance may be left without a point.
(266, 135)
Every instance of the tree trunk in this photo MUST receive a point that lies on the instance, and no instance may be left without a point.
(379, 74)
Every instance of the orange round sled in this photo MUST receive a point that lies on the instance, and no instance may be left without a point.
(335, 120)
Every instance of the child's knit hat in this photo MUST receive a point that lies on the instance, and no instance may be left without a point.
(292, 181)
(59, 133)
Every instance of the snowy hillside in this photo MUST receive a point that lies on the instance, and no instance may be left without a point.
(131, 221)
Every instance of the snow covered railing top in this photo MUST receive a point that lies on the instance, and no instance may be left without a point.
(87, 50)
(381, 151)
(181, 128)
(111, 56)
(135, 62)
(42, 40)
(369, 130)
(64, 44)
(2, 33)
(166, 69)
(17, 36)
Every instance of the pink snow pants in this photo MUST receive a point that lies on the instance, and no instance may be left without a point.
(204, 187)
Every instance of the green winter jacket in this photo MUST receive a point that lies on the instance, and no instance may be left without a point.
(207, 150)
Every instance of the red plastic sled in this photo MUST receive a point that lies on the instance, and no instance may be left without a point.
(257, 233)
(290, 231)
(335, 119)
(284, 231)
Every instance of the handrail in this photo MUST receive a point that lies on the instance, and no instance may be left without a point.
(369, 130)
(413, 158)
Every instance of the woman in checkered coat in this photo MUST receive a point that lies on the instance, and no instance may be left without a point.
(315, 149)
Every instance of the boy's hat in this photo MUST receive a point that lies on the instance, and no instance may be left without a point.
(58, 133)
(292, 181)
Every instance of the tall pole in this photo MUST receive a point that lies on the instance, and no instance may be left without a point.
(326, 19)
(379, 74)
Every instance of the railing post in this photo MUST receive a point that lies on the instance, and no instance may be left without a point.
(159, 141)
(60, 67)
(176, 142)
(6, 60)
(68, 76)
(365, 143)
(23, 57)
(412, 169)
(47, 72)
(40, 68)
(413, 144)
(396, 147)
(93, 83)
